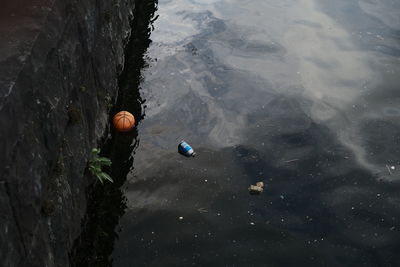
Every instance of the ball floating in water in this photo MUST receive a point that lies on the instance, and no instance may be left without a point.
(124, 121)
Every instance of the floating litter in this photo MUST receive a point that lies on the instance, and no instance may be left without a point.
(124, 121)
(256, 189)
(185, 149)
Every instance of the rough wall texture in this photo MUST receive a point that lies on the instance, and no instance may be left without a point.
(59, 64)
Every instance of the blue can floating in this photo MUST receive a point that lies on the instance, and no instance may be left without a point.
(185, 149)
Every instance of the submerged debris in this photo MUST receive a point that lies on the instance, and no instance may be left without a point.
(291, 160)
(388, 168)
(202, 210)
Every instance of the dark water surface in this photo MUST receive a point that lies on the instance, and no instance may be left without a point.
(301, 94)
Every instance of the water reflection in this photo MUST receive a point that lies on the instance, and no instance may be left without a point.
(292, 93)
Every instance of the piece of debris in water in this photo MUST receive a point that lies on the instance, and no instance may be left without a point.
(185, 149)
(124, 121)
(202, 210)
(260, 184)
(291, 160)
(256, 189)
(388, 168)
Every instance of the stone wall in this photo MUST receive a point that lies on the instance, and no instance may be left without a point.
(59, 67)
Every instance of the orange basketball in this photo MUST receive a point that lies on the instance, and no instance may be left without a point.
(124, 121)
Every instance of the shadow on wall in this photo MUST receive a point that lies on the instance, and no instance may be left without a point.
(106, 203)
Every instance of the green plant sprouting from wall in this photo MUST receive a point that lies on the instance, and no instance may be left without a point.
(95, 166)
